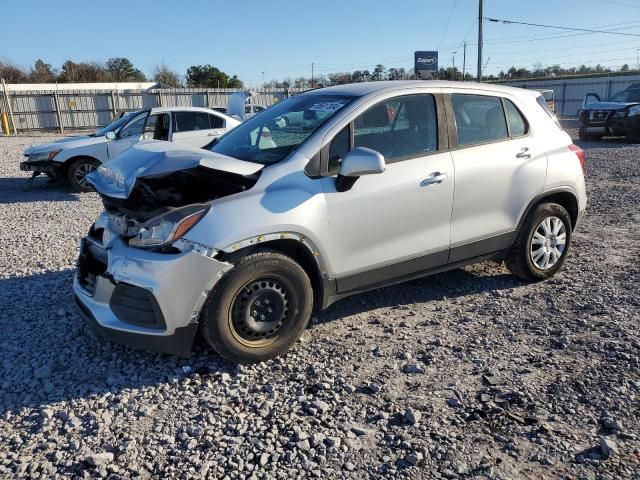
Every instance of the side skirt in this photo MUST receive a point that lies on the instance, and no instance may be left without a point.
(457, 257)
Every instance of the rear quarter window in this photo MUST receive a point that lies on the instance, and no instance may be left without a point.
(543, 104)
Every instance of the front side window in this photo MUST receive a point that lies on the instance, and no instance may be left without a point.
(479, 119)
(627, 96)
(135, 127)
(399, 127)
(517, 123)
(339, 147)
(157, 127)
(271, 136)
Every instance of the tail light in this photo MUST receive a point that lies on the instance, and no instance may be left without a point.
(579, 153)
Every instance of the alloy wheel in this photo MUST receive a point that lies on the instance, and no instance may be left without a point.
(548, 243)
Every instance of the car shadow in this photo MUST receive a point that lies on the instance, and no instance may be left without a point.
(50, 355)
(447, 285)
(19, 190)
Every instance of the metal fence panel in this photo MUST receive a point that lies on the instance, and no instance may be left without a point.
(89, 109)
(570, 93)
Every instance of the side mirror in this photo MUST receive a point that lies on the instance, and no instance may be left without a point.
(359, 161)
(111, 135)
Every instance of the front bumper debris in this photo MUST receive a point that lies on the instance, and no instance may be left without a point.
(40, 166)
(605, 122)
(141, 298)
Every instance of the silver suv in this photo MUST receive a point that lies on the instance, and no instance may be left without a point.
(327, 194)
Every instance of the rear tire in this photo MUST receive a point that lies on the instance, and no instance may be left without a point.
(77, 172)
(633, 136)
(259, 309)
(542, 243)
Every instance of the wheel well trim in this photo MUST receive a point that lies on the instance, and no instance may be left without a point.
(324, 285)
(545, 195)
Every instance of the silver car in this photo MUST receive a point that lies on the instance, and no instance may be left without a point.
(326, 194)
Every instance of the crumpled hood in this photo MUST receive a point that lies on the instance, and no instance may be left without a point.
(117, 177)
(67, 142)
(609, 105)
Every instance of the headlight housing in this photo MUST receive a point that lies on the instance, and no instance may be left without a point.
(634, 111)
(165, 229)
(37, 157)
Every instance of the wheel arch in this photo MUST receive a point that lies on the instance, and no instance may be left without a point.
(65, 165)
(564, 197)
(300, 250)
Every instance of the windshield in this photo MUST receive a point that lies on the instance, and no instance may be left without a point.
(113, 126)
(271, 135)
(626, 96)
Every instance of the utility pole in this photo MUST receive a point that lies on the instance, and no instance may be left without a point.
(464, 61)
(263, 80)
(479, 79)
(453, 60)
(312, 74)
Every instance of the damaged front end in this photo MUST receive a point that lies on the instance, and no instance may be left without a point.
(150, 181)
(138, 281)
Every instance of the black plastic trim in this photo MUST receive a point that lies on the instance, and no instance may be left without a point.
(481, 247)
(180, 343)
(136, 306)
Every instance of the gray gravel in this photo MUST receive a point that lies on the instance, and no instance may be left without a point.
(468, 374)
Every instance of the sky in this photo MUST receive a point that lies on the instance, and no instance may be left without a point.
(282, 38)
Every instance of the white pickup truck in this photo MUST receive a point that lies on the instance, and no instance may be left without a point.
(73, 158)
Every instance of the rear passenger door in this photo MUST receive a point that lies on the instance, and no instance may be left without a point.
(396, 223)
(499, 169)
(192, 128)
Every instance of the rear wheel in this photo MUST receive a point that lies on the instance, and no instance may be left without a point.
(542, 243)
(259, 309)
(78, 171)
(633, 136)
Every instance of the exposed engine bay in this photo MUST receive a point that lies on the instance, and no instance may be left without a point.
(156, 194)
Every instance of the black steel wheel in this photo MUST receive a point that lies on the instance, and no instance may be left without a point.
(258, 309)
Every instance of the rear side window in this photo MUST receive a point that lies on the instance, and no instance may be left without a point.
(479, 119)
(190, 121)
(517, 123)
(545, 106)
(216, 122)
(399, 127)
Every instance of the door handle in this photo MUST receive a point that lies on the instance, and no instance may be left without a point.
(434, 178)
(524, 153)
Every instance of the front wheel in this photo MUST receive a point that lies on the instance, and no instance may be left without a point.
(542, 243)
(259, 309)
(78, 171)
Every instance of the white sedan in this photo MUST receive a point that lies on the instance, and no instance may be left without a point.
(73, 158)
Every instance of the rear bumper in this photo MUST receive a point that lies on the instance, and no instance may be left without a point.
(143, 299)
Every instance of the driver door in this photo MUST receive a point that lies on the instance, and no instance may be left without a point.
(128, 135)
(393, 224)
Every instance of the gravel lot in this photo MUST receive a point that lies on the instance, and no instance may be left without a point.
(468, 374)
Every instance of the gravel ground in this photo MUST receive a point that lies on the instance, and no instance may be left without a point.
(468, 374)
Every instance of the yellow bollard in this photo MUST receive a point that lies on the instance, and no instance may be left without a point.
(5, 124)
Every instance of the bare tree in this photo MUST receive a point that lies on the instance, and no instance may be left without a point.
(161, 73)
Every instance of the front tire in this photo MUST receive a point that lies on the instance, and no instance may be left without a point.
(259, 309)
(542, 243)
(78, 171)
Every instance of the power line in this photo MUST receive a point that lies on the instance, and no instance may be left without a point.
(586, 30)
(616, 2)
(446, 25)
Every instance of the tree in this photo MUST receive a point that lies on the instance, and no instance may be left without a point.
(11, 73)
(122, 70)
(625, 68)
(161, 73)
(210, 77)
(83, 72)
(379, 73)
(42, 73)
